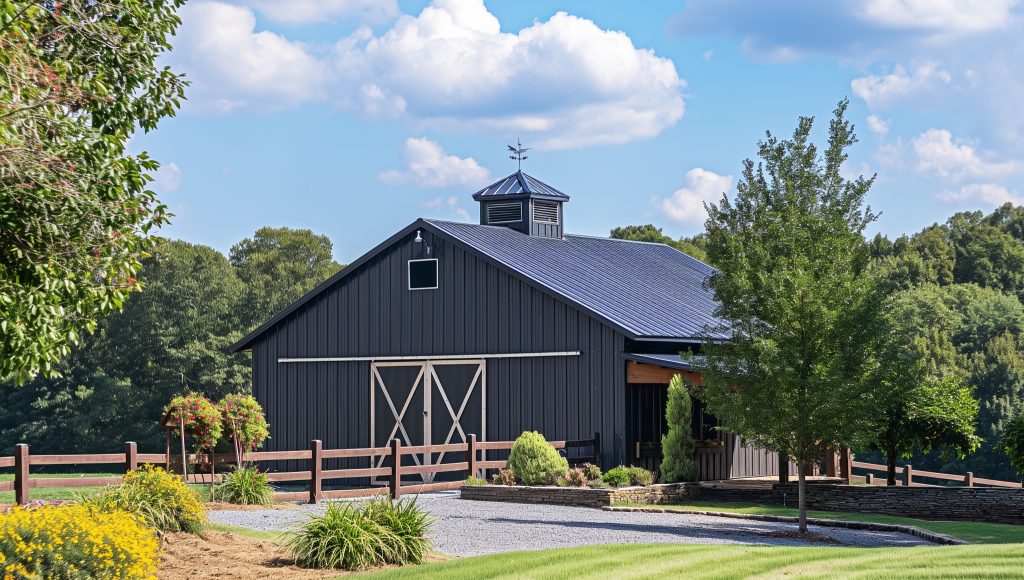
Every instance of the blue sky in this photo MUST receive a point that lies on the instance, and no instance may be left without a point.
(354, 117)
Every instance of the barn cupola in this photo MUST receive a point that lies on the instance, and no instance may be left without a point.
(523, 203)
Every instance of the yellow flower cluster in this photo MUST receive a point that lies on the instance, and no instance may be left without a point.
(75, 541)
(162, 499)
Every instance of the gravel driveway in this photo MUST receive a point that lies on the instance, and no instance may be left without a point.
(471, 528)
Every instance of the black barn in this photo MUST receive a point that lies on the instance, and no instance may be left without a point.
(447, 329)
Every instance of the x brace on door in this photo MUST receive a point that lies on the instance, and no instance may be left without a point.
(428, 378)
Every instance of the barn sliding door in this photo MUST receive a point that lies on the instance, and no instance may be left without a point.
(432, 402)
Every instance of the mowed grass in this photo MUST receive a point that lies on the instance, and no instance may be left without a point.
(973, 532)
(730, 561)
(54, 493)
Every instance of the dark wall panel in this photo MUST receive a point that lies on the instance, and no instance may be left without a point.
(477, 309)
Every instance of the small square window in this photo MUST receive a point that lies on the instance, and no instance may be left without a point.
(423, 274)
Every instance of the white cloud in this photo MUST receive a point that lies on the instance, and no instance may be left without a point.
(941, 16)
(878, 125)
(883, 90)
(991, 194)
(565, 81)
(686, 204)
(428, 166)
(167, 178)
(232, 66)
(939, 154)
(309, 11)
(450, 204)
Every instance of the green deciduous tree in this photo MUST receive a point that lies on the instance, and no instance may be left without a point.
(794, 288)
(677, 445)
(76, 79)
(277, 266)
(1012, 442)
(693, 247)
(928, 406)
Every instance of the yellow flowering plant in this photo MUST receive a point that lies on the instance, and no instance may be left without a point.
(71, 542)
(161, 499)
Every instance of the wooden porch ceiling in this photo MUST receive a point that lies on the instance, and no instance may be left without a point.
(643, 373)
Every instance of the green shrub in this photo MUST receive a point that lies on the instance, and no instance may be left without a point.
(572, 478)
(246, 486)
(161, 499)
(598, 484)
(353, 537)
(534, 461)
(474, 481)
(1013, 442)
(616, 477)
(677, 445)
(504, 477)
(591, 471)
(639, 476)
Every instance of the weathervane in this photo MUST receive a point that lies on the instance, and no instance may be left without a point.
(517, 153)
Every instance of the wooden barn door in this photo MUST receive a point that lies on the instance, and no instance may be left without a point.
(427, 403)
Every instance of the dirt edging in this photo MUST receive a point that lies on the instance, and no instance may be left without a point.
(912, 530)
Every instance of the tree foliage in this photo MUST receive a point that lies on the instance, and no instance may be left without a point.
(793, 285)
(693, 247)
(76, 79)
(1013, 442)
(677, 445)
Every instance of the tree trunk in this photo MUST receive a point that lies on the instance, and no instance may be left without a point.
(802, 496)
(890, 465)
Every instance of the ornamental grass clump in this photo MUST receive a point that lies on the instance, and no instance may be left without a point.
(161, 499)
(474, 481)
(71, 542)
(246, 486)
(354, 537)
(534, 461)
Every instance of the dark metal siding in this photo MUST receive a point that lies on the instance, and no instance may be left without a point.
(478, 309)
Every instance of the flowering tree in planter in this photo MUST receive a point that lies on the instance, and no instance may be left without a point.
(243, 420)
(194, 415)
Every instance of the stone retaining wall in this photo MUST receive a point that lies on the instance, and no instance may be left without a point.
(930, 503)
(581, 496)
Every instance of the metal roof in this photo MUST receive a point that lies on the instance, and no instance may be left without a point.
(519, 184)
(672, 361)
(649, 290)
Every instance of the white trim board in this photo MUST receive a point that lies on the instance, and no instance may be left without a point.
(427, 357)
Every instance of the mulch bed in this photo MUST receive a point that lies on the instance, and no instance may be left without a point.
(229, 557)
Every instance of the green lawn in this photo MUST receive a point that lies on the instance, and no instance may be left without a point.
(51, 493)
(697, 561)
(974, 532)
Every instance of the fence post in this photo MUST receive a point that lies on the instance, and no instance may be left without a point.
(21, 474)
(846, 465)
(471, 454)
(908, 476)
(869, 479)
(969, 479)
(783, 468)
(131, 456)
(316, 449)
(396, 469)
(831, 464)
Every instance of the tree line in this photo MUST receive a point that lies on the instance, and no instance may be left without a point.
(170, 339)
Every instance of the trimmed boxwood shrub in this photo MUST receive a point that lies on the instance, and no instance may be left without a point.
(534, 461)
(616, 477)
(639, 476)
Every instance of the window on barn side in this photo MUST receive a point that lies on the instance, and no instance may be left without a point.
(423, 274)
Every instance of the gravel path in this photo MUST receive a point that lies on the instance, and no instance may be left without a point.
(471, 528)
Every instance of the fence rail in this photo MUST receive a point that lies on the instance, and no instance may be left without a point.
(314, 474)
(907, 476)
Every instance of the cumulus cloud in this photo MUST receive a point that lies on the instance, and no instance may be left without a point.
(878, 125)
(686, 205)
(232, 66)
(167, 178)
(565, 80)
(938, 153)
(309, 11)
(449, 205)
(427, 165)
(883, 90)
(991, 194)
(560, 83)
(940, 16)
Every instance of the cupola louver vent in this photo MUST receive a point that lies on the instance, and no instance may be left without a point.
(545, 211)
(504, 213)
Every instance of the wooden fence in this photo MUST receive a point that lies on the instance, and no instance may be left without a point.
(385, 462)
(907, 475)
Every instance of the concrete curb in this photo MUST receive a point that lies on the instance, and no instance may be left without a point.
(913, 531)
